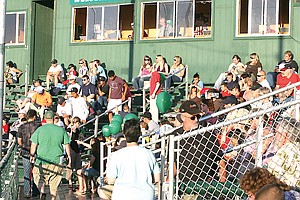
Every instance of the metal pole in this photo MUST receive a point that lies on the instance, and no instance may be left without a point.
(2, 58)
(259, 142)
(187, 82)
(102, 158)
(297, 106)
(171, 167)
(96, 126)
(26, 80)
(144, 100)
(162, 166)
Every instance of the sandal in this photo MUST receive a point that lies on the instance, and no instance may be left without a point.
(80, 193)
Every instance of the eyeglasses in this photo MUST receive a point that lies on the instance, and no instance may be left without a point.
(175, 60)
(80, 63)
(146, 59)
(193, 117)
(84, 79)
(252, 58)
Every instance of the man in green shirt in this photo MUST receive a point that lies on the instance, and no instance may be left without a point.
(47, 146)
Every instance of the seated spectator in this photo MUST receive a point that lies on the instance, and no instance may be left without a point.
(224, 90)
(103, 90)
(89, 91)
(101, 71)
(207, 107)
(285, 164)
(12, 73)
(271, 191)
(230, 80)
(92, 73)
(177, 70)
(55, 72)
(41, 100)
(197, 82)
(254, 179)
(152, 125)
(15, 126)
(236, 91)
(124, 111)
(72, 83)
(236, 68)
(64, 110)
(72, 70)
(79, 106)
(253, 66)
(195, 95)
(124, 165)
(58, 122)
(161, 65)
(83, 69)
(261, 79)
(144, 74)
(23, 101)
(248, 89)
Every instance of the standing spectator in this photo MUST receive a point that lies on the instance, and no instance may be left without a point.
(144, 74)
(100, 69)
(24, 133)
(117, 92)
(12, 74)
(155, 89)
(79, 106)
(177, 70)
(15, 126)
(261, 79)
(103, 91)
(165, 29)
(40, 101)
(47, 163)
(55, 72)
(64, 110)
(253, 66)
(133, 169)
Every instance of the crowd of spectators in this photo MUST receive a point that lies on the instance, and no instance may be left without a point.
(92, 91)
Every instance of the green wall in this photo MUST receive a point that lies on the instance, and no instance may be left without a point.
(209, 56)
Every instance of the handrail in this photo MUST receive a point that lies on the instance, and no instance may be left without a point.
(8, 154)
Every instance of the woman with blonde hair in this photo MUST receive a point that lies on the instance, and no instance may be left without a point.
(253, 66)
(177, 70)
(92, 72)
(160, 65)
(83, 69)
(144, 74)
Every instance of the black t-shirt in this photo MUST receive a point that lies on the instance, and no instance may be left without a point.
(25, 131)
(96, 163)
(198, 156)
(74, 136)
(104, 89)
(292, 63)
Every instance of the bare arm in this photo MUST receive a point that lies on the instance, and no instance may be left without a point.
(124, 91)
(155, 90)
(33, 148)
(20, 142)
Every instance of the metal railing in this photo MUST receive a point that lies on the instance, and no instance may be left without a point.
(9, 180)
(186, 83)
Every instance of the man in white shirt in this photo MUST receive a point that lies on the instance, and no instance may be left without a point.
(152, 125)
(72, 83)
(55, 71)
(79, 107)
(64, 110)
(261, 79)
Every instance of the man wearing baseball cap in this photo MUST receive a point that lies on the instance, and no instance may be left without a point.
(64, 109)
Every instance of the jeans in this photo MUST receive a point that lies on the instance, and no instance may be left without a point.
(102, 100)
(271, 78)
(171, 80)
(28, 182)
(138, 82)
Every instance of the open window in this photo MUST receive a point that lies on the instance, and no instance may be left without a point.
(98, 23)
(15, 28)
(176, 19)
(263, 17)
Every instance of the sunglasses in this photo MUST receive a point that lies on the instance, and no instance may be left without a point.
(175, 60)
(193, 117)
(252, 58)
(258, 75)
(84, 79)
(80, 63)
(146, 59)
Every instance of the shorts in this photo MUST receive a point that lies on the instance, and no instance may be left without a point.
(113, 103)
(105, 191)
(50, 174)
(91, 172)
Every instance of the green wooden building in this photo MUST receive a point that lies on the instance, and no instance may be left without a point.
(205, 33)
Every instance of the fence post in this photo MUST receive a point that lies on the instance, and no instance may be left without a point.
(102, 158)
(171, 167)
(259, 141)
(26, 80)
(162, 165)
(187, 82)
(4, 93)
(297, 106)
(144, 100)
(96, 126)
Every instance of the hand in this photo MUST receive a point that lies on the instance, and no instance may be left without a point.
(32, 159)
(123, 98)
(153, 96)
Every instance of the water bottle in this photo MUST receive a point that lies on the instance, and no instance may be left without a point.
(101, 181)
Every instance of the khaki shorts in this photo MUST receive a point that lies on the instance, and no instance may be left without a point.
(105, 191)
(49, 174)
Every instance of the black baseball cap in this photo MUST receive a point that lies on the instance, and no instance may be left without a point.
(61, 100)
(74, 89)
(101, 78)
(54, 61)
(189, 107)
(147, 115)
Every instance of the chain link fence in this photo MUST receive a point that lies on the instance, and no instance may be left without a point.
(209, 161)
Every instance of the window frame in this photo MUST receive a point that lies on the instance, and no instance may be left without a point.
(141, 29)
(102, 6)
(17, 25)
(249, 34)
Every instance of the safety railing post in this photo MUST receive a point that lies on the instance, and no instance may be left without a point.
(187, 82)
(96, 126)
(162, 165)
(102, 163)
(171, 168)
(26, 79)
(259, 141)
(4, 94)
(297, 106)
(144, 100)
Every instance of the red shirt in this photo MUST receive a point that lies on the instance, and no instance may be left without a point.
(283, 81)
(225, 93)
(155, 78)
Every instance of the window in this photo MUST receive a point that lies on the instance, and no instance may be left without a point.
(263, 17)
(176, 19)
(15, 28)
(98, 23)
